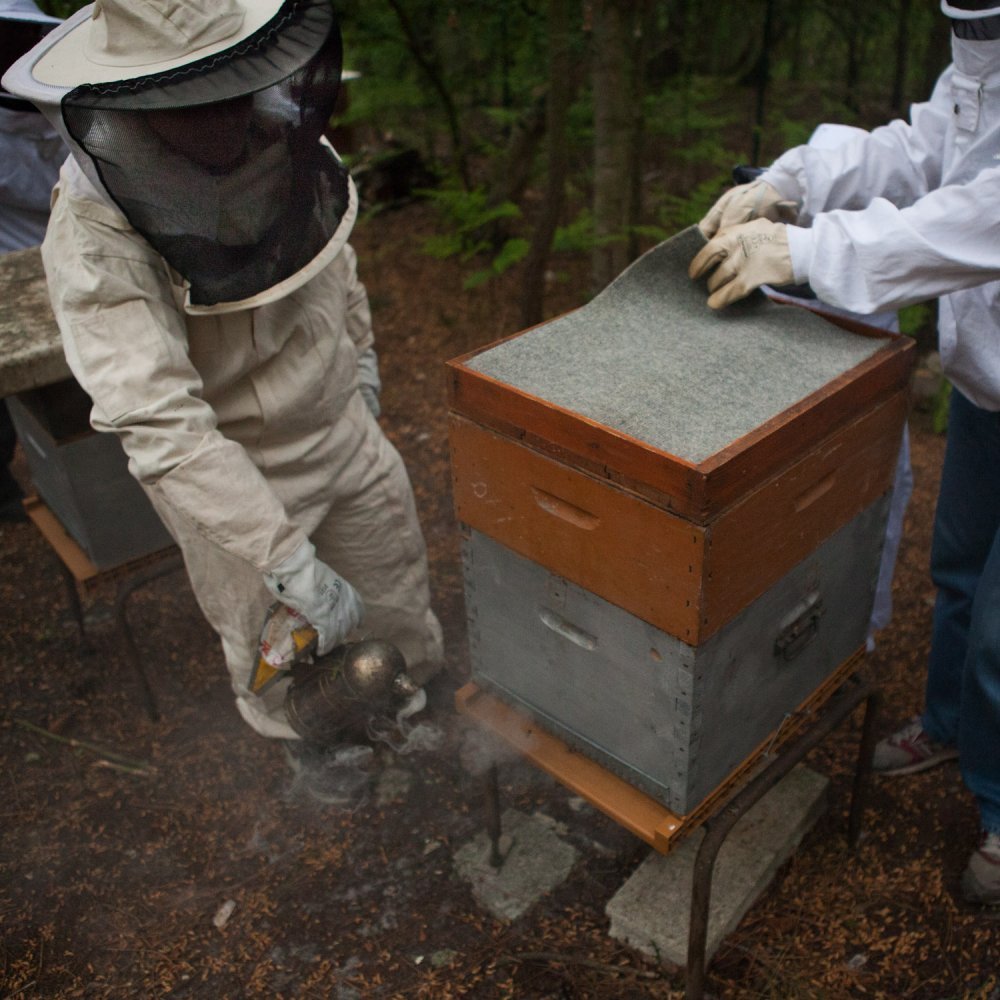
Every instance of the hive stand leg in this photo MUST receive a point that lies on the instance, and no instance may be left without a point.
(719, 826)
(494, 824)
(75, 606)
(863, 770)
(125, 590)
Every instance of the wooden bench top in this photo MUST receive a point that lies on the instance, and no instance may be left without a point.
(31, 353)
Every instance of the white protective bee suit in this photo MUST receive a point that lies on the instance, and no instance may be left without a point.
(244, 421)
(905, 213)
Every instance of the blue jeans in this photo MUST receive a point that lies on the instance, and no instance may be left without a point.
(963, 678)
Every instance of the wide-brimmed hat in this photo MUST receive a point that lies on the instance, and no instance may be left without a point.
(247, 45)
(25, 10)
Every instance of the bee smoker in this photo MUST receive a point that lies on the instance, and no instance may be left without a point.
(333, 697)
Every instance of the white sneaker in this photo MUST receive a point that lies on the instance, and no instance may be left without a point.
(981, 878)
(909, 750)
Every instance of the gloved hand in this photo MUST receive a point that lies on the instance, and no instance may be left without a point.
(327, 601)
(369, 383)
(756, 200)
(743, 258)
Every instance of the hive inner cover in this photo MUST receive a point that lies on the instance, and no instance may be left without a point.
(648, 358)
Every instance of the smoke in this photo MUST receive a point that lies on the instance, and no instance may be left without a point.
(337, 776)
(481, 750)
(401, 736)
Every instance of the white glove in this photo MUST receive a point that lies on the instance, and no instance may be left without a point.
(327, 601)
(744, 258)
(756, 200)
(369, 383)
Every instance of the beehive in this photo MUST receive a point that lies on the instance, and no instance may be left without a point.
(672, 518)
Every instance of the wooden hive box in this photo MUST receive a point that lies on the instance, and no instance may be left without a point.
(672, 519)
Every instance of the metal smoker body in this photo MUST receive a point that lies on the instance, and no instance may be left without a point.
(333, 697)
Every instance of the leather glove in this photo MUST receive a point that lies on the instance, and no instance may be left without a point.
(369, 383)
(756, 200)
(743, 258)
(327, 601)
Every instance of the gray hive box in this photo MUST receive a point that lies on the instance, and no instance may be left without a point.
(672, 518)
(80, 475)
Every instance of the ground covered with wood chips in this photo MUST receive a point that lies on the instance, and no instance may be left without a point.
(177, 859)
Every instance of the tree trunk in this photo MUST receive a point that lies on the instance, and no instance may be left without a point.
(557, 113)
(612, 132)
(852, 83)
(902, 58)
(641, 33)
(430, 65)
(937, 55)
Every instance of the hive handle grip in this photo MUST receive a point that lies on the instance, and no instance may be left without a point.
(567, 630)
(564, 510)
(799, 627)
(817, 490)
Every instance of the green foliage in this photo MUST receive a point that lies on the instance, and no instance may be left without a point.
(466, 214)
(513, 250)
(61, 8)
(576, 237)
(939, 407)
(793, 132)
(468, 217)
(680, 211)
(913, 319)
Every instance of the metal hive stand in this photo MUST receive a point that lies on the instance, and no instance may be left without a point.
(834, 702)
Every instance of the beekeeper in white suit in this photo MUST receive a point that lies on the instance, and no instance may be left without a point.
(909, 212)
(198, 266)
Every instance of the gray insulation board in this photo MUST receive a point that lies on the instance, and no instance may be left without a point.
(648, 358)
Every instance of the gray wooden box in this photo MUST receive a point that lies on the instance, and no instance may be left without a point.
(83, 478)
(671, 719)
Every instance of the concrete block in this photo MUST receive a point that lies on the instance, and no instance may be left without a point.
(651, 911)
(535, 861)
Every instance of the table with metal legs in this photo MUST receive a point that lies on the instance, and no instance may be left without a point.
(835, 702)
(79, 572)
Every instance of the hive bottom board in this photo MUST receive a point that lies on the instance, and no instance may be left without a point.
(671, 719)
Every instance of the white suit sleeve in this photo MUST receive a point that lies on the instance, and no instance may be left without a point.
(886, 258)
(883, 233)
(901, 162)
(126, 343)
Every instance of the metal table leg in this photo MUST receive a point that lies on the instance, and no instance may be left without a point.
(75, 606)
(125, 590)
(721, 823)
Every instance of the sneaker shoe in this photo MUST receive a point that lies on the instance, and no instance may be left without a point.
(981, 878)
(910, 750)
(332, 775)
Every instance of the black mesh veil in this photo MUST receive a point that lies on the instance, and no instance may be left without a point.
(219, 163)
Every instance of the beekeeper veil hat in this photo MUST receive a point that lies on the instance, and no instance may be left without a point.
(203, 120)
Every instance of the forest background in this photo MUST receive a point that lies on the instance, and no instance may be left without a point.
(546, 128)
